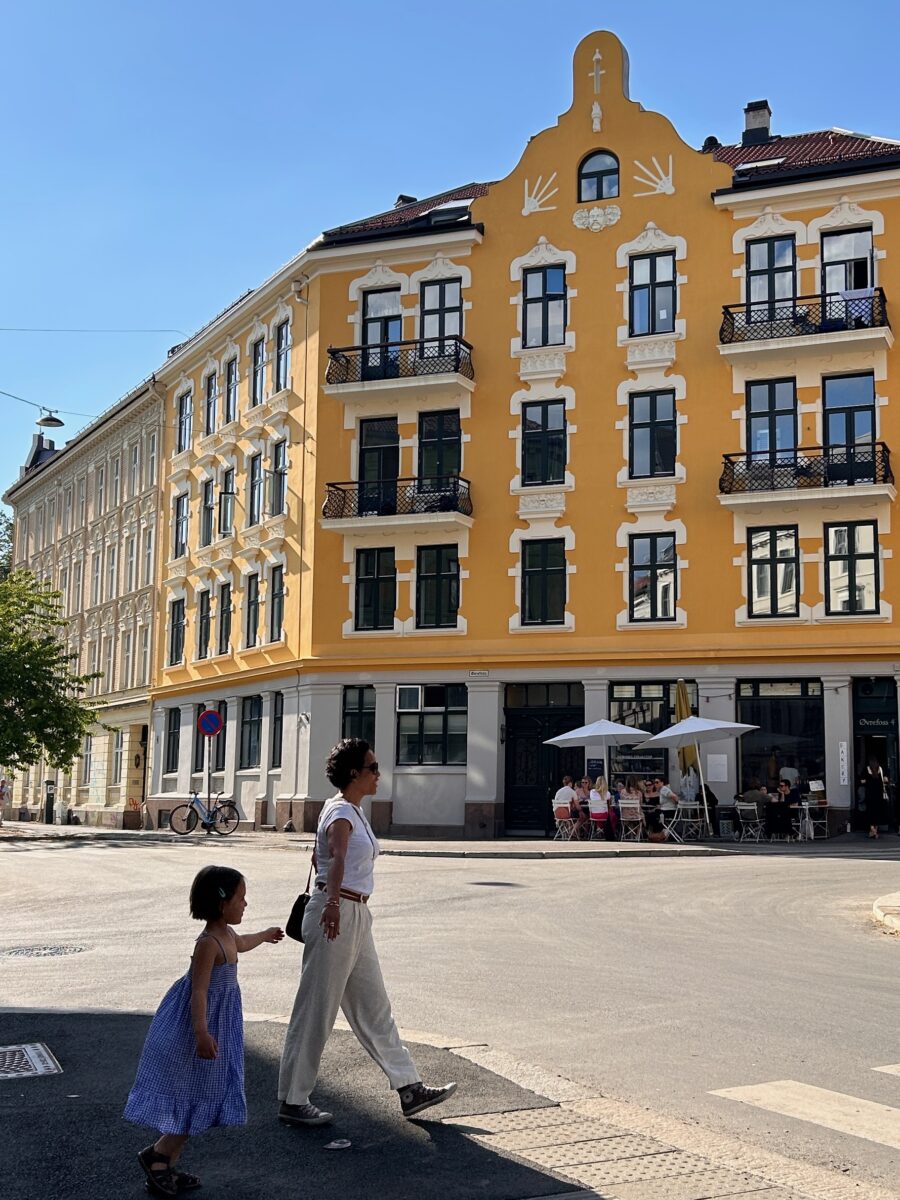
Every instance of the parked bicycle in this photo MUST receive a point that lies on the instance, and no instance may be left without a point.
(224, 817)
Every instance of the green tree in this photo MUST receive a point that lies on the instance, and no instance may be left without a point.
(43, 712)
(6, 544)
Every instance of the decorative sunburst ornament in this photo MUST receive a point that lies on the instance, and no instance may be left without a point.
(536, 199)
(656, 179)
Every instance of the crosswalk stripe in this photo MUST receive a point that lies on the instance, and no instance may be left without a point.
(894, 1070)
(832, 1110)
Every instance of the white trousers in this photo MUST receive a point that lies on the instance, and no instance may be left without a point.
(344, 974)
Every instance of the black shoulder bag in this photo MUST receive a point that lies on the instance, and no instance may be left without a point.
(294, 926)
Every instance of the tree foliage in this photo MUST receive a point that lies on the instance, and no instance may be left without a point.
(6, 544)
(43, 710)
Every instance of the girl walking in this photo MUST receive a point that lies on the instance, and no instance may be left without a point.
(191, 1073)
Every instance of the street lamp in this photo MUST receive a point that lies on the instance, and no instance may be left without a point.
(49, 420)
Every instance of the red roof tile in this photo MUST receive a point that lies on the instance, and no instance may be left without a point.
(808, 149)
(404, 213)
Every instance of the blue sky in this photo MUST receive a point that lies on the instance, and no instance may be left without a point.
(160, 158)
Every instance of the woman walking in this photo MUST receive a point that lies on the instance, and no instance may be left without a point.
(340, 964)
(876, 792)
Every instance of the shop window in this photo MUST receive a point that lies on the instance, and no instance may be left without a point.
(790, 741)
(358, 713)
(431, 724)
(648, 706)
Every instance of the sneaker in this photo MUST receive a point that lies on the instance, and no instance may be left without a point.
(303, 1114)
(418, 1096)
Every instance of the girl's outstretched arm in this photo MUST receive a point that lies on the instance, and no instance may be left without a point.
(247, 941)
(201, 970)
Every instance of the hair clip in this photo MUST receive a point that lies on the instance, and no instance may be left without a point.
(221, 893)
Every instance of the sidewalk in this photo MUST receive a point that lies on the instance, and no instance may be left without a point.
(886, 909)
(512, 1132)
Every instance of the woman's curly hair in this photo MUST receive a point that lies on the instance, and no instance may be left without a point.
(348, 755)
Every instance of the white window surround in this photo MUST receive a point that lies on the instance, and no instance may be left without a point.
(258, 331)
(542, 254)
(652, 240)
(651, 381)
(885, 612)
(536, 393)
(540, 528)
(378, 277)
(742, 618)
(648, 523)
(282, 313)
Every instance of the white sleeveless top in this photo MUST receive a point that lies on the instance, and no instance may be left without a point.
(362, 848)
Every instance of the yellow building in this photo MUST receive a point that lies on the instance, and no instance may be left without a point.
(486, 466)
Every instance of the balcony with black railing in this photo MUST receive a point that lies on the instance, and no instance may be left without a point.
(434, 500)
(851, 316)
(429, 362)
(859, 468)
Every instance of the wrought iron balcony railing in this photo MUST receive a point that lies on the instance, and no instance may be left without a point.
(398, 497)
(800, 316)
(815, 467)
(400, 360)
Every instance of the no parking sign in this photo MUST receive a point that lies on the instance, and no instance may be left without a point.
(209, 722)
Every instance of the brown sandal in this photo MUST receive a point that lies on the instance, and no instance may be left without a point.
(160, 1183)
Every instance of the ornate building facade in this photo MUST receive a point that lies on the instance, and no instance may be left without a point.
(86, 520)
(485, 466)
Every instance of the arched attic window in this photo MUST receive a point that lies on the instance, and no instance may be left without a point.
(598, 177)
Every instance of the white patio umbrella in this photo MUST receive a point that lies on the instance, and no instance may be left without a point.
(607, 733)
(693, 731)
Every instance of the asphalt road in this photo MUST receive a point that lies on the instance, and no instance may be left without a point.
(660, 981)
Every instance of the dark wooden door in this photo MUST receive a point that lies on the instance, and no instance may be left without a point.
(535, 771)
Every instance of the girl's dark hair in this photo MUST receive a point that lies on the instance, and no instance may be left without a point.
(212, 886)
(348, 755)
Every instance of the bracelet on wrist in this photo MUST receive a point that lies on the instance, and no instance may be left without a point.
(332, 904)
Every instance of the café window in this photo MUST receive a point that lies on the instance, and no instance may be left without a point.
(773, 563)
(358, 713)
(790, 741)
(651, 435)
(648, 706)
(431, 724)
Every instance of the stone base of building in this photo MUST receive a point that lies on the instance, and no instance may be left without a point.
(483, 821)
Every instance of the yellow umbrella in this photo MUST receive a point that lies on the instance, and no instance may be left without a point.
(687, 756)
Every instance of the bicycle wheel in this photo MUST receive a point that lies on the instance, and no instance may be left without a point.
(227, 819)
(183, 819)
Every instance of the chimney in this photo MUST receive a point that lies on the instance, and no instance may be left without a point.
(757, 119)
(404, 199)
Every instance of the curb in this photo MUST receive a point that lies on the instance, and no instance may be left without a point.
(886, 910)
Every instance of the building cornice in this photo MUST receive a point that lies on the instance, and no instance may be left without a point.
(813, 193)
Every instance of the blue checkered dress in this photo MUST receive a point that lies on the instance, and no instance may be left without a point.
(174, 1090)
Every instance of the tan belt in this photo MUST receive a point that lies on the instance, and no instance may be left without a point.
(348, 894)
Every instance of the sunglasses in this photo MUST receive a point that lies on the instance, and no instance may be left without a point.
(373, 767)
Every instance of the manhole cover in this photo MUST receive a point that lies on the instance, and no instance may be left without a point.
(26, 1061)
(42, 951)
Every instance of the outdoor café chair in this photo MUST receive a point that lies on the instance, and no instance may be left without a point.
(631, 822)
(688, 823)
(752, 823)
(817, 819)
(565, 825)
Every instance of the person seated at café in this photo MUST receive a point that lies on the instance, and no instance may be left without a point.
(602, 811)
(583, 792)
(754, 794)
(565, 802)
(777, 812)
(789, 792)
(668, 797)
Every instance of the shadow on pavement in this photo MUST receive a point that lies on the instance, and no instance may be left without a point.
(65, 1137)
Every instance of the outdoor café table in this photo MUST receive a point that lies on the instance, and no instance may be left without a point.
(800, 813)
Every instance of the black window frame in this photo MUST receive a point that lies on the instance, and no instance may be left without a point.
(282, 355)
(852, 557)
(773, 306)
(221, 739)
(540, 576)
(173, 740)
(768, 417)
(651, 287)
(185, 421)
(180, 518)
(772, 560)
(597, 177)
(223, 619)
(277, 730)
(539, 443)
(232, 382)
(176, 631)
(419, 720)
(257, 372)
(199, 758)
(276, 603)
(847, 263)
(207, 511)
(226, 504)
(655, 563)
(251, 609)
(210, 403)
(378, 580)
(543, 301)
(430, 349)
(357, 715)
(656, 429)
(255, 490)
(438, 589)
(250, 747)
(446, 444)
(279, 478)
(204, 622)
